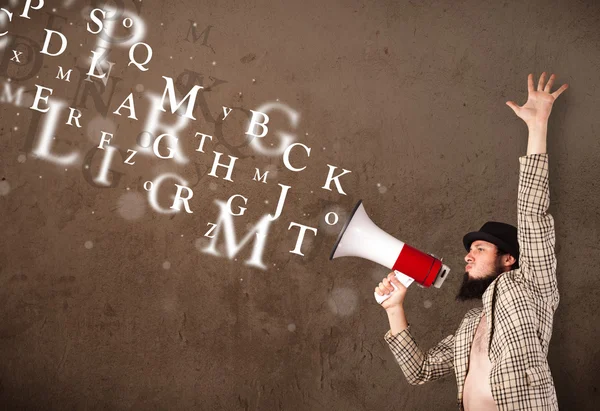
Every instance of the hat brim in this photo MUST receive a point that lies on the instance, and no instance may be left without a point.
(480, 235)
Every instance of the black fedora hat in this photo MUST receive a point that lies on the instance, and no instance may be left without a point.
(503, 235)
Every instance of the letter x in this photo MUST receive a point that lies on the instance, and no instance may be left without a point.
(16, 57)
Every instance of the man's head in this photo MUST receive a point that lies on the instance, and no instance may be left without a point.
(492, 250)
(485, 262)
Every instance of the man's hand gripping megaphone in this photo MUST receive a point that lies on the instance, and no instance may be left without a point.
(387, 288)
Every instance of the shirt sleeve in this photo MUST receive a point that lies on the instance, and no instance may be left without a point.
(419, 367)
(537, 260)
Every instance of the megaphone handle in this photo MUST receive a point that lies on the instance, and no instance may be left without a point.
(404, 280)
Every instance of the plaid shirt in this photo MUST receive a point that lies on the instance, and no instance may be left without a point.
(519, 306)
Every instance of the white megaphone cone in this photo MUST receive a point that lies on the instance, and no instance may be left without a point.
(360, 237)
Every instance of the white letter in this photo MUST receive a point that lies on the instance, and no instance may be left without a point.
(225, 222)
(101, 74)
(96, 20)
(46, 138)
(330, 178)
(103, 140)
(16, 55)
(72, 111)
(157, 142)
(132, 59)
(154, 127)
(286, 156)
(281, 202)
(335, 218)
(130, 157)
(226, 112)
(130, 107)
(63, 46)
(27, 7)
(258, 177)
(173, 101)
(102, 177)
(242, 209)
(285, 138)
(255, 122)
(8, 97)
(115, 17)
(210, 230)
(153, 192)
(61, 74)
(95, 58)
(38, 97)
(183, 199)
(201, 146)
(9, 14)
(303, 229)
(228, 167)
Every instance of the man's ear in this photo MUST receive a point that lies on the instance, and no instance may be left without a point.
(509, 259)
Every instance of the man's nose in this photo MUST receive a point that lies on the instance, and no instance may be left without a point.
(468, 258)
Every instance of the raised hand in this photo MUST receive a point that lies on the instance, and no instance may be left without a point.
(539, 102)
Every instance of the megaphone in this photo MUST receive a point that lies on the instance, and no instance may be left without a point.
(360, 237)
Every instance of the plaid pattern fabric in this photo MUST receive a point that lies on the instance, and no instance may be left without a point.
(519, 305)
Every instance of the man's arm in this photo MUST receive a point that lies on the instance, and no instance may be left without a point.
(536, 142)
(535, 225)
(537, 260)
(418, 367)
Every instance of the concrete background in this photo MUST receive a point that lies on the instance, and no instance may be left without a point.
(108, 304)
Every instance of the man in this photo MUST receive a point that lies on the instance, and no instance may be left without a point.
(499, 351)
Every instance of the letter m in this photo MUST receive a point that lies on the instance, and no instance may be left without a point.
(61, 74)
(191, 97)
(196, 37)
(8, 97)
(225, 224)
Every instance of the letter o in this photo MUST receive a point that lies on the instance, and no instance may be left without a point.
(327, 218)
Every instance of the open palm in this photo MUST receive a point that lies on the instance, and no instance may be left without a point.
(539, 102)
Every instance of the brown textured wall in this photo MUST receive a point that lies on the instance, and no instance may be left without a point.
(108, 304)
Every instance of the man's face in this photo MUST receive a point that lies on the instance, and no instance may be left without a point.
(483, 267)
(481, 260)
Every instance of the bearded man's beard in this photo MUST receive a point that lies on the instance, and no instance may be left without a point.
(473, 288)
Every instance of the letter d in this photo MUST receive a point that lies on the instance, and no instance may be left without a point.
(63, 46)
